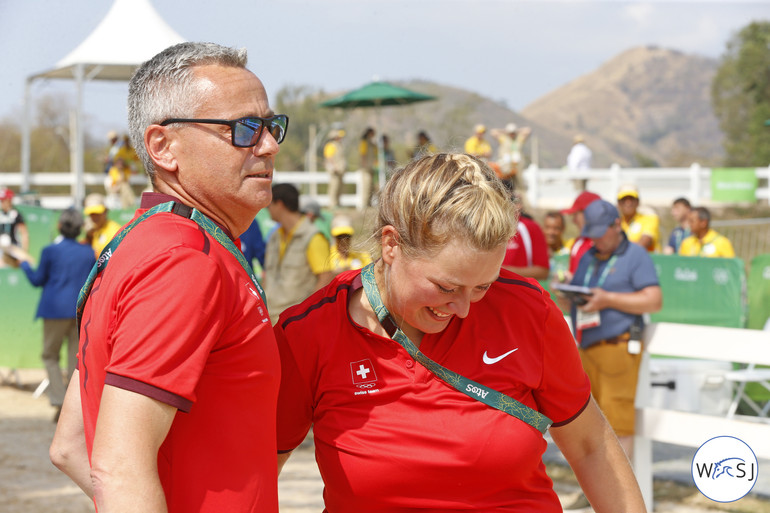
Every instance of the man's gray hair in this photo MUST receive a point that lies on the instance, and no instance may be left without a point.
(165, 87)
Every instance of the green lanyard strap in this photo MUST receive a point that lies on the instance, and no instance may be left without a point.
(477, 391)
(176, 208)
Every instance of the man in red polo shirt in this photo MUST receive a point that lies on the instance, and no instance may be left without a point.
(178, 369)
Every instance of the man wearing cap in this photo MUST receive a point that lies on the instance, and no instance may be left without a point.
(334, 163)
(342, 256)
(643, 229)
(99, 228)
(579, 245)
(476, 145)
(13, 230)
(579, 160)
(623, 286)
(509, 153)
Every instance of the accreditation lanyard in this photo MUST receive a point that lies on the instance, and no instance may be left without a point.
(484, 394)
(176, 208)
(605, 271)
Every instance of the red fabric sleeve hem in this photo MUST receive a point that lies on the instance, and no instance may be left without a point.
(150, 391)
(576, 415)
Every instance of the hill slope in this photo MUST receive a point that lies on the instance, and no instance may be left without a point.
(645, 105)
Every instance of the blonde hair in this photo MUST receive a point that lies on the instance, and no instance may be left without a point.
(439, 198)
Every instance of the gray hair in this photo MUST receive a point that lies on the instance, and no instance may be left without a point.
(70, 223)
(165, 87)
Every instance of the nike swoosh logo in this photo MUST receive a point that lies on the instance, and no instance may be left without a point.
(490, 361)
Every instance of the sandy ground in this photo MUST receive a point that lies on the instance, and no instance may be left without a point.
(29, 483)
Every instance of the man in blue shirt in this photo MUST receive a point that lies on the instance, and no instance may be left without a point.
(624, 286)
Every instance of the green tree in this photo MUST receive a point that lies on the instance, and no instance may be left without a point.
(740, 96)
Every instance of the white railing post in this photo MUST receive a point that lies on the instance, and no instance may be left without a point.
(533, 183)
(695, 184)
(614, 179)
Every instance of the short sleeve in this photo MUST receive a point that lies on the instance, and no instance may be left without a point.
(295, 409)
(318, 254)
(565, 388)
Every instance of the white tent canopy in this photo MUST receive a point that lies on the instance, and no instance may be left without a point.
(103, 55)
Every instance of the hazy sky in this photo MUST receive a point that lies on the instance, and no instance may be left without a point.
(507, 50)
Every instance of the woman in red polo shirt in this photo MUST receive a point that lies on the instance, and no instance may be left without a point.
(361, 361)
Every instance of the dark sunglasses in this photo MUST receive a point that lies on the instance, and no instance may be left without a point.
(245, 132)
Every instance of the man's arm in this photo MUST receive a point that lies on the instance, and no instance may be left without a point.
(590, 446)
(124, 461)
(68, 450)
(646, 300)
(23, 233)
(534, 271)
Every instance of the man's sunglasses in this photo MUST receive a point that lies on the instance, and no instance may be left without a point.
(245, 132)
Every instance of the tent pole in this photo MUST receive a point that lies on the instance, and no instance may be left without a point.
(25, 138)
(76, 154)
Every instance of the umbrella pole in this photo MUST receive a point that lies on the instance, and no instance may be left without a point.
(380, 152)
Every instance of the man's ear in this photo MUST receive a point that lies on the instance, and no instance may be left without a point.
(390, 244)
(158, 142)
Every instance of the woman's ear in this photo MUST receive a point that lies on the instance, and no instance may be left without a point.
(390, 244)
(158, 141)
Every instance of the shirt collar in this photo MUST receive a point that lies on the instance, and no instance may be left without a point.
(153, 199)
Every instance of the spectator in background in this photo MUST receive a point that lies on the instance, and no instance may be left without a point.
(297, 254)
(680, 211)
(579, 160)
(312, 210)
(253, 244)
(704, 241)
(115, 144)
(510, 154)
(526, 253)
(64, 267)
(343, 257)
(643, 229)
(553, 229)
(388, 155)
(119, 191)
(477, 146)
(13, 230)
(424, 146)
(367, 155)
(100, 229)
(624, 286)
(335, 165)
(579, 245)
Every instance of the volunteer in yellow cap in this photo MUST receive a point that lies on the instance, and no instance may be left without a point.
(641, 228)
(99, 228)
(342, 256)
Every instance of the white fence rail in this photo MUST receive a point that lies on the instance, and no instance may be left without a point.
(546, 188)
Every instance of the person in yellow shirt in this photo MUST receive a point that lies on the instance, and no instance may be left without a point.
(643, 229)
(367, 153)
(99, 228)
(704, 241)
(335, 165)
(343, 257)
(477, 146)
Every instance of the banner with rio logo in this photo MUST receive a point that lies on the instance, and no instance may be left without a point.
(705, 291)
(735, 185)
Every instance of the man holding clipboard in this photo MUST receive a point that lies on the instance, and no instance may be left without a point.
(614, 285)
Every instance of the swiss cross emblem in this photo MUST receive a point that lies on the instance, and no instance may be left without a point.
(362, 371)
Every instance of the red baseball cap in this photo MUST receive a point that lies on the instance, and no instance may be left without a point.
(6, 193)
(584, 199)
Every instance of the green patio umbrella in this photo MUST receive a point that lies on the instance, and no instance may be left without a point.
(377, 94)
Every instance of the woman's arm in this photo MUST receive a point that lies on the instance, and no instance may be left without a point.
(599, 462)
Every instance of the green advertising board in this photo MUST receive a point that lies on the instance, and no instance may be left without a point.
(759, 292)
(734, 185)
(699, 290)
